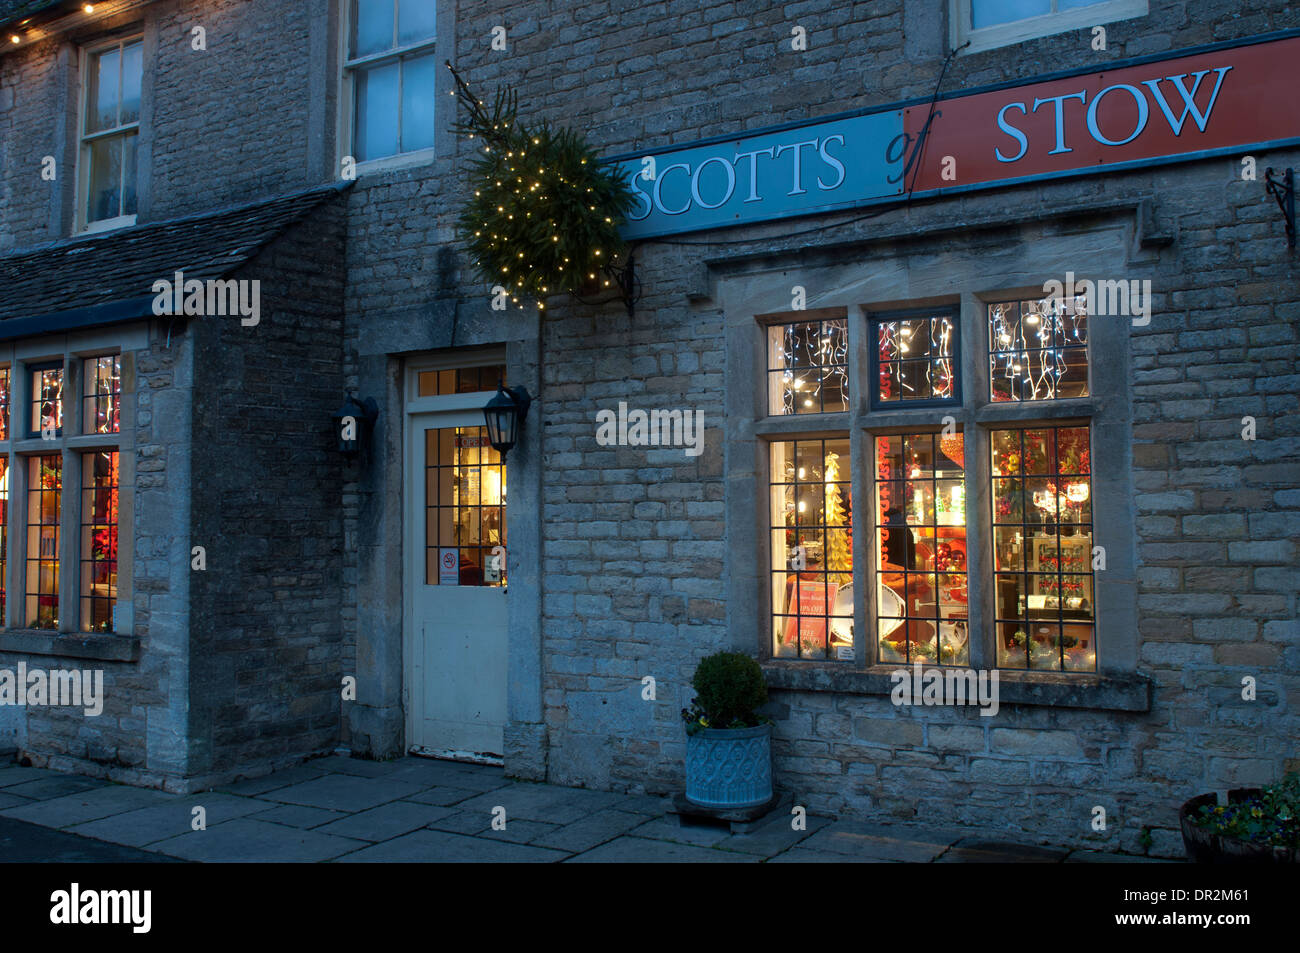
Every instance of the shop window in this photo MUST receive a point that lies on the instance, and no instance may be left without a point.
(465, 506)
(808, 367)
(812, 549)
(1038, 349)
(915, 358)
(110, 134)
(392, 71)
(99, 486)
(1042, 548)
(921, 590)
(464, 380)
(101, 395)
(992, 23)
(46, 417)
(44, 512)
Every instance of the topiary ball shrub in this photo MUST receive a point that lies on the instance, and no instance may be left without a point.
(729, 691)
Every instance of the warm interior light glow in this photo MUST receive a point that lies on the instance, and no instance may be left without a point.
(89, 8)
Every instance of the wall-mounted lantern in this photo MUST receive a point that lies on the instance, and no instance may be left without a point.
(504, 415)
(353, 423)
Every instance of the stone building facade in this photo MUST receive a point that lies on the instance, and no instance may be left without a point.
(628, 561)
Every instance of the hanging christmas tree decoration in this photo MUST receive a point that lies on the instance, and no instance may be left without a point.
(544, 215)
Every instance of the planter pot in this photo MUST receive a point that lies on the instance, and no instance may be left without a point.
(729, 767)
(1210, 847)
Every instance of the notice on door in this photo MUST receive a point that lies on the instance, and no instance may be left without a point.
(449, 567)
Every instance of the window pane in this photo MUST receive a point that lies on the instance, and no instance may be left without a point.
(419, 81)
(372, 26)
(376, 123)
(131, 77)
(46, 400)
(1042, 549)
(465, 507)
(812, 549)
(102, 99)
(101, 395)
(917, 358)
(808, 367)
(991, 12)
(921, 588)
(44, 510)
(1038, 349)
(416, 20)
(99, 487)
(104, 197)
(129, 143)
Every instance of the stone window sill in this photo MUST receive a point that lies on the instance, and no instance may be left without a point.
(104, 647)
(1101, 692)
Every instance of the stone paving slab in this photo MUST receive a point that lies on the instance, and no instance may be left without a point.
(462, 822)
(521, 832)
(55, 785)
(16, 774)
(443, 796)
(699, 835)
(452, 774)
(984, 851)
(643, 850)
(1102, 857)
(89, 805)
(871, 842)
(271, 782)
(592, 830)
(542, 802)
(386, 821)
(802, 855)
(23, 843)
(248, 840)
(298, 815)
(12, 800)
(428, 846)
(360, 767)
(151, 824)
(343, 792)
(775, 836)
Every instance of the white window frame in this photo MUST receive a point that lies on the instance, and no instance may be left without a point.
(1059, 21)
(84, 139)
(348, 67)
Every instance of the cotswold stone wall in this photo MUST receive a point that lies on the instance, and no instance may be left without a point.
(140, 737)
(266, 645)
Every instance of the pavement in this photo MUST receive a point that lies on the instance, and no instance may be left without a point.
(346, 810)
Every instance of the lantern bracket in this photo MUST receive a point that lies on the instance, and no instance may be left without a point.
(1283, 190)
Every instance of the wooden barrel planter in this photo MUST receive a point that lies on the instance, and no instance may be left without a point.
(1205, 846)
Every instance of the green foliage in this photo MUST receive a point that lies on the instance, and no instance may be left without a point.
(544, 215)
(1272, 818)
(730, 688)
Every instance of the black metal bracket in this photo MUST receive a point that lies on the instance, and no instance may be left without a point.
(1283, 189)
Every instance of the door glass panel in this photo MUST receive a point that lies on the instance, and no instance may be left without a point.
(465, 508)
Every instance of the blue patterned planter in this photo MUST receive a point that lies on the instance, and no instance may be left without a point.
(729, 767)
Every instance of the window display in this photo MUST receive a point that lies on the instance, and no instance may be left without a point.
(807, 367)
(812, 550)
(1042, 549)
(1038, 350)
(916, 357)
(921, 589)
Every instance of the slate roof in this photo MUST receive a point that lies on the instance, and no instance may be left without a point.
(11, 10)
(122, 266)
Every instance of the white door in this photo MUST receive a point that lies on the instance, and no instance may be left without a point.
(456, 587)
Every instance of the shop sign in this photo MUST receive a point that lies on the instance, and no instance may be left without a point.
(1218, 100)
